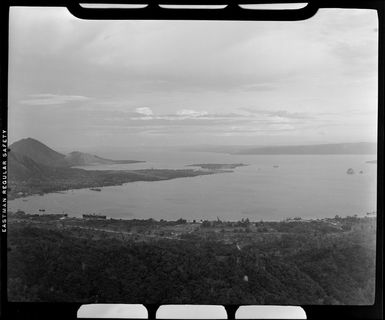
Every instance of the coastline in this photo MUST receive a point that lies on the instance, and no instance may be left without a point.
(99, 179)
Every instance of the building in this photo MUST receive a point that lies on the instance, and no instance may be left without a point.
(94, 217)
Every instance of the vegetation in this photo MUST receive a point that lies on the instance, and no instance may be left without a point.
(60, 179)
(328, 261)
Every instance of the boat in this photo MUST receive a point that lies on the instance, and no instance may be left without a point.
(96, 189)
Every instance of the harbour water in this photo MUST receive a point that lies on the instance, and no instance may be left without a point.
(270, 187)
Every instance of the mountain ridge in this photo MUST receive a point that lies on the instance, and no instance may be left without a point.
(325, 148)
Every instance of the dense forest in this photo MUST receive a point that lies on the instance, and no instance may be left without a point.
(272, 263)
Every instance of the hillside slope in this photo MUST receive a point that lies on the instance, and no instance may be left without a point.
(77, 260)
(21, 168)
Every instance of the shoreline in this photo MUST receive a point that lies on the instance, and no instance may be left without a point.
(217, 221)
(106, 178)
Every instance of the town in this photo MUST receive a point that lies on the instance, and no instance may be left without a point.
(242, 232)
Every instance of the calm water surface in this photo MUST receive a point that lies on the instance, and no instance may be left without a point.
(309, 186)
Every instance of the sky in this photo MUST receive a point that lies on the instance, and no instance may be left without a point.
(79, 84)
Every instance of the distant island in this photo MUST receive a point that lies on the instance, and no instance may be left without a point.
(316, 149)
(34, 168)
(350, 171)
(217, 166)
(372, 161)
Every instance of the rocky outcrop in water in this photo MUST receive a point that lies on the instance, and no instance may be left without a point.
(350, 171)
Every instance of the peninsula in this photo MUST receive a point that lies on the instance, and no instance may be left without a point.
(34, 168)
(217, 166)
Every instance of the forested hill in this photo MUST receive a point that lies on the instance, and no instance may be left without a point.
(38, 152)
(144, 261)
(21, 168)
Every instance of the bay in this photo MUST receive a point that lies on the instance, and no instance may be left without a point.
(270, 187)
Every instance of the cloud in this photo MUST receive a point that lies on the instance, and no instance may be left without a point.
(266, 129)
(280, 113)
(188, 116)
(245, 122)
(145, 111)
(52, 99)
(191, 113)
(222, 130)
(194, 76)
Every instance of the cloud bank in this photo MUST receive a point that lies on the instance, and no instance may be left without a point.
(128, 82)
